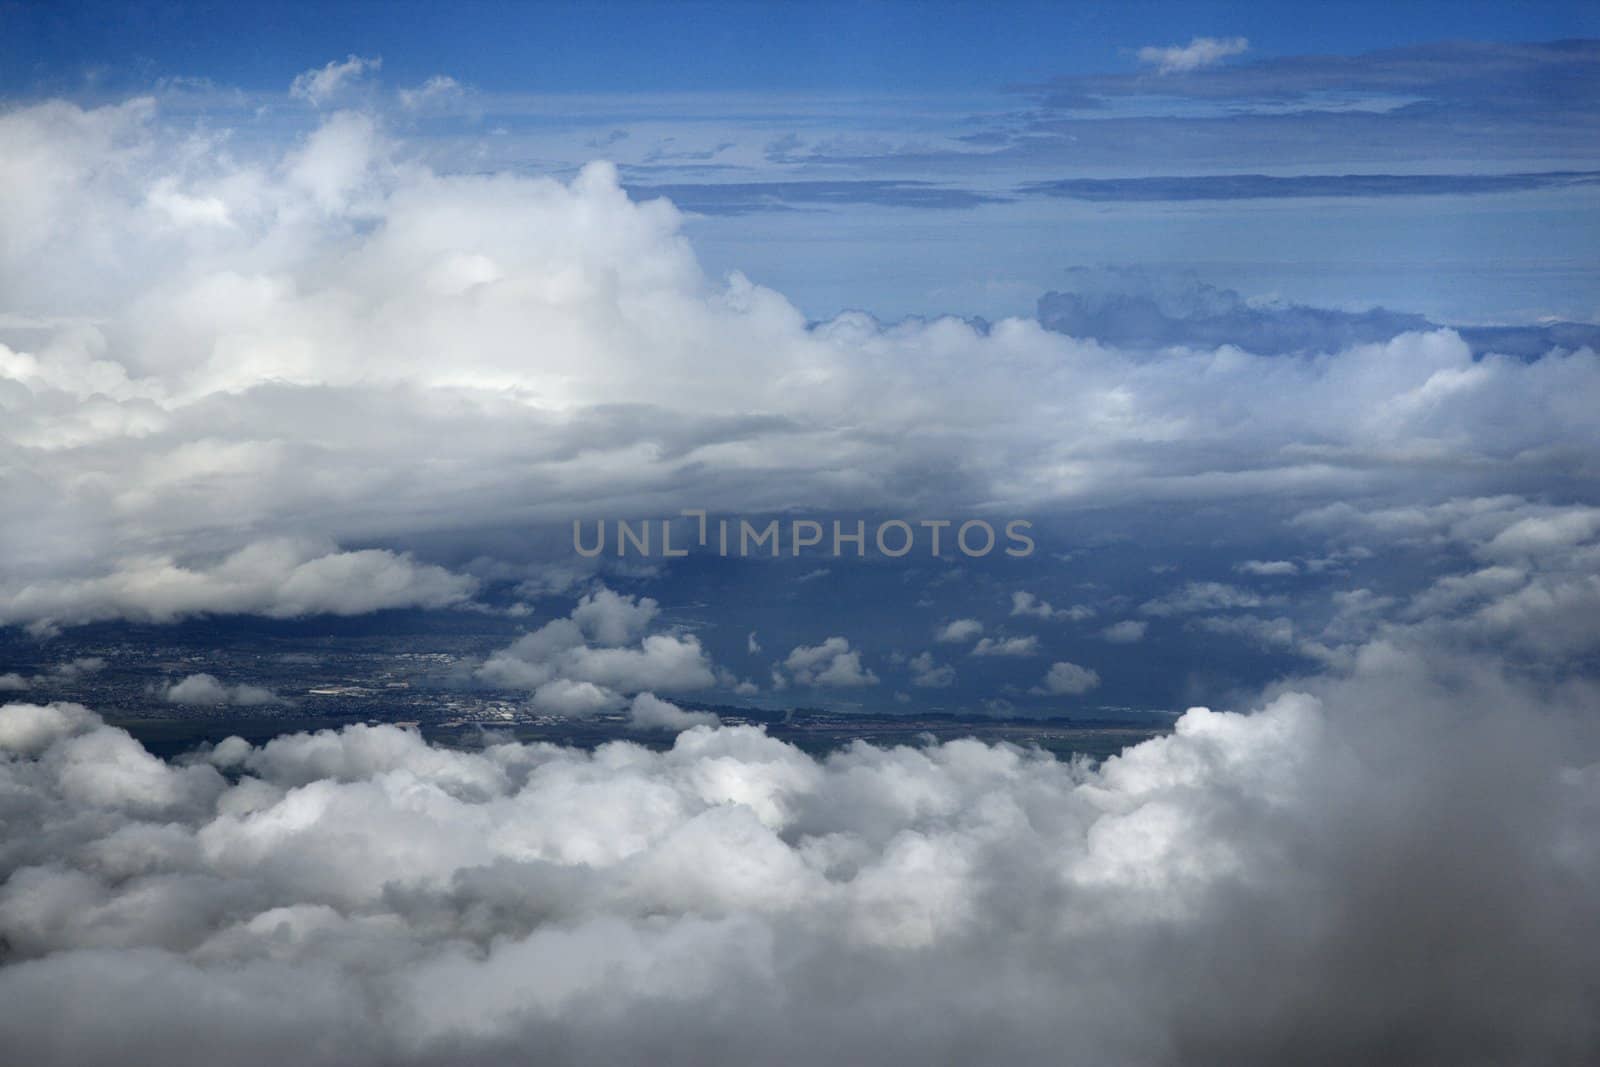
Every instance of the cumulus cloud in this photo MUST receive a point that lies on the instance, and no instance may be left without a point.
(1198, 53)
(832, 663)
(1026, 604)
(439, 88)
(235, 301)
(928, 673)
(1268, 568)
(322, 84)
(1249, 880)
(280, 579)
(589, 661)
(205, 690)
(244, 360)
(1007, 646)
(1533, 582)
(79, 667)
(958, 631)
(1201, 596)
(12, 682)
(1126, 632)
(1069, 679)
(650, 712)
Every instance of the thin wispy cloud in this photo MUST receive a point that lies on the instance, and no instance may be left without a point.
(1199, 52)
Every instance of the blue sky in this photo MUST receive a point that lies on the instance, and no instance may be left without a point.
(553, 47)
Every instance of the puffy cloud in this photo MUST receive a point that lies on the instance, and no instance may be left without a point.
(326, 342)
(250, 358)
(573, 698)
(1201, 596)
(280, 579)
(1069, 679)
(324, 83)
(439, 88)
(1025, 603)
(1006, 646)
(205, 690)
(611, 619)
(650, 712)
(832, 663)
(1126, 632)
(959, 630)
(570, 676)
(1268, 568)
(1248, 880)
(80, 667)
(72, 671)
(1198, 53)
(928, 673)
(1536, 588)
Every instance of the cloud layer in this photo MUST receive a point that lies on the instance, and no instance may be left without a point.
(288, 358)
(1397, 861)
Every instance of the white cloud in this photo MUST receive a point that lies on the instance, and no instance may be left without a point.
(1268, 568)
(379, 900)
(79, 667)
(249, 359)
(184, 361)
(832, 663)
(322, 84)
(1198, 53)
(1025, 603)
(280, 579)
(1007, 646)
(610, 619)
(205, 690)
(573, 698)
(928, 673)
(439, 88)
(1126, 632)
(958, 630)
(650, 712)
(1201, 596)
(570, 676)
(1069, 679)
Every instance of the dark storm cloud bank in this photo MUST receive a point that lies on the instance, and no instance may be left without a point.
(1394, 864)
(1132, 308)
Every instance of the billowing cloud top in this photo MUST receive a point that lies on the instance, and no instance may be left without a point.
(1249, 881)
(227, 364)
